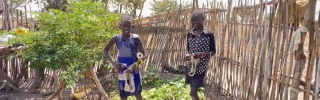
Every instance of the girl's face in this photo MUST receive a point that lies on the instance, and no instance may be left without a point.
(197, 22)
(126, 27)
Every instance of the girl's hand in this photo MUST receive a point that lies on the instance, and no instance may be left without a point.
(198, 55)
(144, 57)
(141, 56)
(117, 64)
(188, 57)
(131, 68)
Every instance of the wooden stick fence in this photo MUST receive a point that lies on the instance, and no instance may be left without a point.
(255, 57)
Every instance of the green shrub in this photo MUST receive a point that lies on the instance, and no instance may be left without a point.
(71, 41)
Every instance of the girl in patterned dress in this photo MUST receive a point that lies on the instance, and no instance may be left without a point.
(128, 45)
(201, 45)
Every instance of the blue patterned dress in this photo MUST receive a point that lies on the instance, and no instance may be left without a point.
(127, 51)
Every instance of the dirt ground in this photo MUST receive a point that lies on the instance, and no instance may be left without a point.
(212, 93)
(20, 96)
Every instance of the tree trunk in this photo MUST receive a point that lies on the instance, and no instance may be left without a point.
(3, 23)
(11, 13)
(4, 15)
(37, 82)
(25, 14)
(300, 59)
(7, 14)
(1, 7)
(32, 21)
(312, 47)
(134, 12)
(317, 59)
(8, 18)
(120, 9)
(17, 16)
(195, 4)
(106, 5)
(21, 21)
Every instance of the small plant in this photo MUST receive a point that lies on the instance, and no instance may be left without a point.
(174, 89)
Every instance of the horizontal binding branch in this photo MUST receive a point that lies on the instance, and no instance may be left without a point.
(188, 10)
(158, 30)
(161, 50)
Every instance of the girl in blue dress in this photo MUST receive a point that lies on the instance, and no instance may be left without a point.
(128, 45)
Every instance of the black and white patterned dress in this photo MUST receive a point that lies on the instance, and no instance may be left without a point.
(203, 43)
